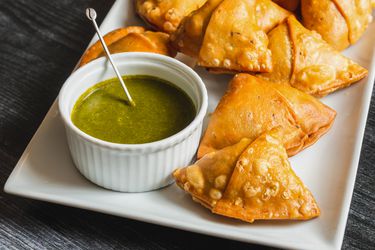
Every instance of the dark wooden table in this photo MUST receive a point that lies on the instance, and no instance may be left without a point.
(40, 43)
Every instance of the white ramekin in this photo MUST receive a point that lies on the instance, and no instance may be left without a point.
(133, 167)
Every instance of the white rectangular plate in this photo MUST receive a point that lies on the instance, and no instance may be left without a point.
(46, 171)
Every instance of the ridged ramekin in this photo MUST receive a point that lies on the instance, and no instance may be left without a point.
(133, 167)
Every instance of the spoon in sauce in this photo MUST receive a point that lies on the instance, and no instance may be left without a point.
(91, 15)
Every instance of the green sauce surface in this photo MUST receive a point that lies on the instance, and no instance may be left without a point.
(161, 110)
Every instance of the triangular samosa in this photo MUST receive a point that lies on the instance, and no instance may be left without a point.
(111, 37)
(340, 22)
(189, 35)
(357, 15)
(207, 179)
(235, 39)
(252, 106)
(264, 186)
(129, 39)
(305, 61)
(323, 17)
(249, 181)
(166, 15)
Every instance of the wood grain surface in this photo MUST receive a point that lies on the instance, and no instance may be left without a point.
(40, 43)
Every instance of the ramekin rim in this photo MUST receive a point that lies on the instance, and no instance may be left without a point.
(151, 146)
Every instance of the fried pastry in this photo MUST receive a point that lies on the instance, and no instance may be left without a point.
(341, 23)
(235, 39)
(133, 38)
(304, 60)
(206, 179)
(264, 186)
(189, 36)
(357, 15)
(268, 14)
(291, 5)
(252, 106)
(166, 15)
(249, 181)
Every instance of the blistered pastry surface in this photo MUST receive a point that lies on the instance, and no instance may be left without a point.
(207, 179)
(166, 15)
(264, 186)
(318, 69)
(252, 106)
(249, 181)
(189, 36)
(234, 41)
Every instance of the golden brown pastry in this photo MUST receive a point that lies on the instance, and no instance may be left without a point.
(281, 47)
(340, 22)
(268, 14)
(357, 15)
(166, 15)
(305, 61)
(235, 39)
(133, 38)
(324, 17)
(249, 181)
(252, 106)
(189, 36)
(263, 186)
(206, 179)
(291, 5)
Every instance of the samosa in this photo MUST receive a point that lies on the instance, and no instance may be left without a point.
(304, 60)
(235, 39)
(249, 181)
(166, 15)
(252, 106)
(130, 39)
(340, 22)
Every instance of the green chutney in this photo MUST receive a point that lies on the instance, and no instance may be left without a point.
(161, 110)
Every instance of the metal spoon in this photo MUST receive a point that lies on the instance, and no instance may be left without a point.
(91, 15)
